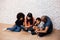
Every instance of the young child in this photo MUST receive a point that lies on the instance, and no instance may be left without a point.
(19, 23)
(38, 25)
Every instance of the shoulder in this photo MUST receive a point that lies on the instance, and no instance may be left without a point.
(48, 23)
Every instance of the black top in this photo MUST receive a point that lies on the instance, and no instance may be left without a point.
(19, 22)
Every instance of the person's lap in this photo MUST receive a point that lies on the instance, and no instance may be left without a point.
(18, 29)
(32, 30)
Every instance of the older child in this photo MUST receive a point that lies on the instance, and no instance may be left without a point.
(19, 23)
(29, 22)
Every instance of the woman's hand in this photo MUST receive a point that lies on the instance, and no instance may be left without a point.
(26, 26)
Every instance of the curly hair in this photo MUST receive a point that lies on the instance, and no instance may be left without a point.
(20, 15)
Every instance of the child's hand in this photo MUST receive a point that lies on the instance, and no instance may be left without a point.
(35, 24)
(41, 29)
(25, 28)
(36, 31)
(35, 27)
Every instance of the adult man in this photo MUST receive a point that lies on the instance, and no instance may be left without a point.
(48, 26)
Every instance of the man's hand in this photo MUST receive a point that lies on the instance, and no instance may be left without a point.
(44, 31)
(37, 30)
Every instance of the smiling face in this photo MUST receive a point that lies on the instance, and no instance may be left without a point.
(29, 16)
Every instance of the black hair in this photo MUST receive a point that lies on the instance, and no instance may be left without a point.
(38, 19)
(18, 21)
(20, 15)
(31, 16)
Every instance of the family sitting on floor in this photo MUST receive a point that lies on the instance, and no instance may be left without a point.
(41, 26)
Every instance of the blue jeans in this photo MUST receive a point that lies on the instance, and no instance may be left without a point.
(16, 28)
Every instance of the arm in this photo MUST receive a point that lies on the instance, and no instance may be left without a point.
(46, 28)
(44, 31)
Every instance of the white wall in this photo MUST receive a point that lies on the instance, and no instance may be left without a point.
(9, 9)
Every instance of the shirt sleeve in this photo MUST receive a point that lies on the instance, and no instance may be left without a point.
(48, 24)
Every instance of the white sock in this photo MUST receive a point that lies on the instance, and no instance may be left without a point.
(29, 31)
(4, 29)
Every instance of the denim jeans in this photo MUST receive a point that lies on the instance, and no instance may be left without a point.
(16, 28)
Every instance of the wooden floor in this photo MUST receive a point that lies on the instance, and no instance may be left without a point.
(8, 35)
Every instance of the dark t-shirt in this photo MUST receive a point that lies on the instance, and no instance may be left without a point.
(19, 22)
(48, 24)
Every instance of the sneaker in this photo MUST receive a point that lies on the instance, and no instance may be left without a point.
(29, 31)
